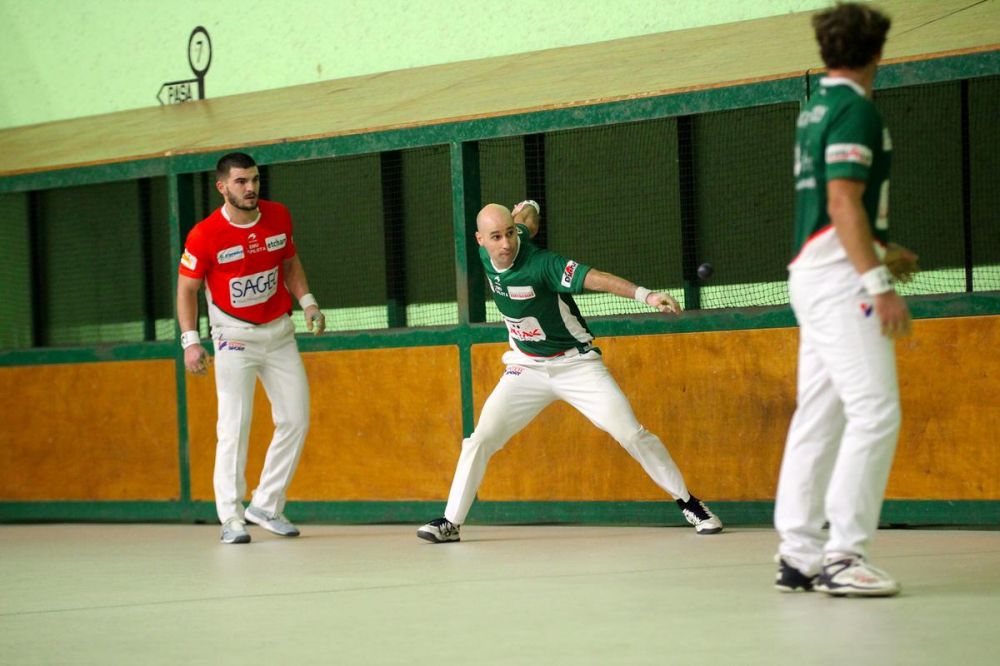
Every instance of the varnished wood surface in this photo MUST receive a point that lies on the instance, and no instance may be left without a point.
(636, 67)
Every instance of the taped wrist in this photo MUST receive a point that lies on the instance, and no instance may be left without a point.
(877, 281)
(307, 300)
(189, 339)
(641, 294)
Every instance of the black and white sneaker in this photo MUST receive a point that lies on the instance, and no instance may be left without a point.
(439, 530)
(790, 579)
(852, 576)
(699, 515)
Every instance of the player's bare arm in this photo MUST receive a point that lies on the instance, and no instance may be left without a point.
(596, 280)
(298, 286)
(195, 356)
(527, 213)
(850, 220)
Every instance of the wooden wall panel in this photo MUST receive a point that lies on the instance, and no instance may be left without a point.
(89, 431)
(722, 403)
(386, 425)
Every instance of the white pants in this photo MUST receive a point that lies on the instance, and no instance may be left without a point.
(843, 435)
(241, 355)
(524, 390)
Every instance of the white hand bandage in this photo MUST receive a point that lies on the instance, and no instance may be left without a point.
(877, 281)
(189, 339)
(527, 202)
(307, 300)
(641, 294)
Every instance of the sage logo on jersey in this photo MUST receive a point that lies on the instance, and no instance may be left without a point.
(253, 289)
(275, 242)
(188, 260)
(527, 329)
(521, 293)
(234, 253)
(567, 277)
(855, 153)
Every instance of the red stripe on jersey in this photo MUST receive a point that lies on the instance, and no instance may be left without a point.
(816, 234)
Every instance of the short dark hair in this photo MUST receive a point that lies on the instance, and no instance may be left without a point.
(231, 161)
(850, 34)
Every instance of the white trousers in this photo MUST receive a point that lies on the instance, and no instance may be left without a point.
(843, 435)
(524, 390)
(242, 354)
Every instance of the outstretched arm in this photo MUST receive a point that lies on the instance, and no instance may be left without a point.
(596, 280)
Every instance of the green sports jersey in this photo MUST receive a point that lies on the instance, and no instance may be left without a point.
(533, 295)
(839, 134)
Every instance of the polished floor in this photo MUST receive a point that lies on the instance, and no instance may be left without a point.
(171, 594)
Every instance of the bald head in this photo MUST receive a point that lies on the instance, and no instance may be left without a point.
(493, 215)
(495, 231)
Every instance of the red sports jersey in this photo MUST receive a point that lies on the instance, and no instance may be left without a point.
(242, 266)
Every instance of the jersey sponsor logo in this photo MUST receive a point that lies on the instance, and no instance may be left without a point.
(514, 370)
(568, 271)
(527, 329)
(855, 153)
(275, 242)
(253, 247)
(813, 115)
(188, 260)
(886, 139)
(234, 253)
(521, 293)
(250, 290)
(497, 288)
(231, 345)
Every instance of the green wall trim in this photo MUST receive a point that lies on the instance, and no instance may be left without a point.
(936, 70)
(895, 513)
(90, 175)
(730, 319)
(130, 351)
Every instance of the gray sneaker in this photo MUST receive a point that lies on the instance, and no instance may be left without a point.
(275, 523)
(235, 531)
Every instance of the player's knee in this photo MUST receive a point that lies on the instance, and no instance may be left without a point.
(484, 440)
(878, 415)
(632, 438)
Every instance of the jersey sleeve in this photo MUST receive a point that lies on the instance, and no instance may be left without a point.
(195, 258)
(853, 138)
(562, 275)
(290, 249)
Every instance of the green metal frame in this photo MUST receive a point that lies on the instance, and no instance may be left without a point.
(462, 138)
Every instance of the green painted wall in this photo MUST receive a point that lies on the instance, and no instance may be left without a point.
(64, 59)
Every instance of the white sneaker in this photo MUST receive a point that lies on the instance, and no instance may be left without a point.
(699, 515)
(234, 530)
(274, 523)
(439, 530)
(853, 577)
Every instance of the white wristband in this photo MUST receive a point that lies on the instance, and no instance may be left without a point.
(189, 339)
(641, 294)
(529, 202)
(877, 281)
(307, 300)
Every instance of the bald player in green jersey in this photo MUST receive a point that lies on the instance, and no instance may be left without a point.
(552, 357)
(843, 436)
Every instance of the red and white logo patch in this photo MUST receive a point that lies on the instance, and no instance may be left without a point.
(568, 272)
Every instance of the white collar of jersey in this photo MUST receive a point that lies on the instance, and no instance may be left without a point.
(504, 270)
(828, 81)
(225, 214)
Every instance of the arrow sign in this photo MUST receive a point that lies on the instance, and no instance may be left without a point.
(176, 92)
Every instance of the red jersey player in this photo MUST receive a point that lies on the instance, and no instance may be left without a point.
(244, 254)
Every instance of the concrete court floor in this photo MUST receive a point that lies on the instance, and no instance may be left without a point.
(171, 594)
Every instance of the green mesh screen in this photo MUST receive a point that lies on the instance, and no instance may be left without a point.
(984, 176)
(15, 273)
(100, 264)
